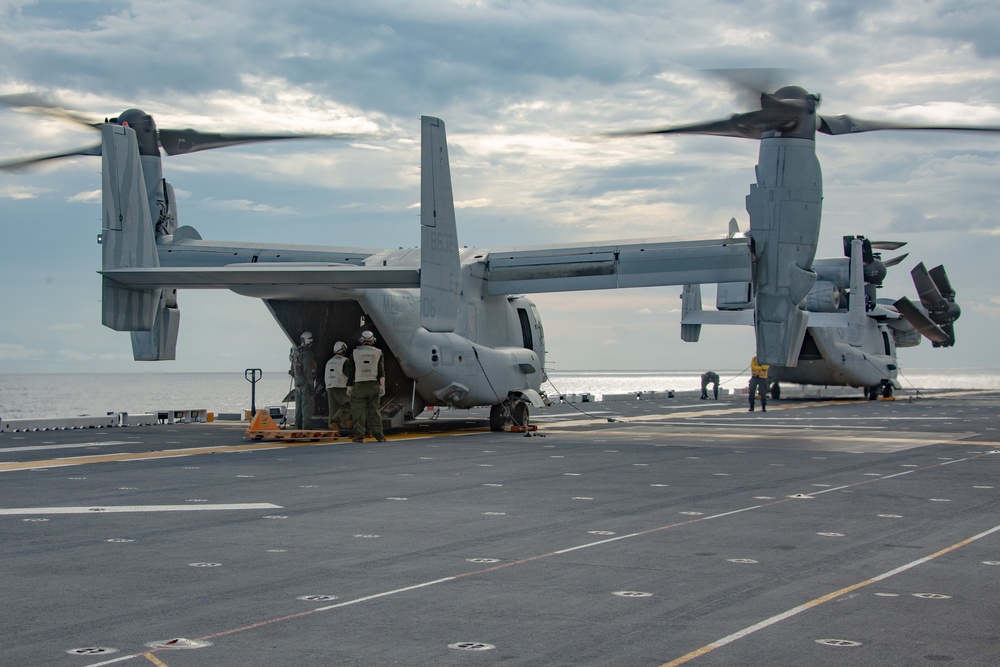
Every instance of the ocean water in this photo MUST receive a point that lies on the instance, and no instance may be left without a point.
(43, 395)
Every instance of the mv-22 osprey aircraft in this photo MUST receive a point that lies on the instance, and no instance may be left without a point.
(817, 322)
(454, 332)
(449, 319)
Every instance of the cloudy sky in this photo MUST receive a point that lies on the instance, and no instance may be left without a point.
(523, 87)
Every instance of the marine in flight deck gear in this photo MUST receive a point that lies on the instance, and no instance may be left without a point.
(335, 378)
(303, 373)
(366, 380)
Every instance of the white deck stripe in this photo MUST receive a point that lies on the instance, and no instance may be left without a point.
(112, 509)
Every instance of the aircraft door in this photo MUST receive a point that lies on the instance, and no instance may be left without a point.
(532, 333)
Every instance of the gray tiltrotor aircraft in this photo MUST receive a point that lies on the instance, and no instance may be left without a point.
(449, 319)
(852, 336)
(805, 330)
(454, 332)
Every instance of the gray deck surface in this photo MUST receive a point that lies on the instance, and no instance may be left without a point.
(822, 532)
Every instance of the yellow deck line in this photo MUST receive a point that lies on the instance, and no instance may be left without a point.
(197, 451)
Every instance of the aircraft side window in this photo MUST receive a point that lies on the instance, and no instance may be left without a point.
(522, 314)
(538, 325)
(885, 341)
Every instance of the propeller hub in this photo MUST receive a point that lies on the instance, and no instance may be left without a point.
(144, 127)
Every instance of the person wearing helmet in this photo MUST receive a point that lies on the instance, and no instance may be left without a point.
(365, 372)
(303, 374)
(337, 401)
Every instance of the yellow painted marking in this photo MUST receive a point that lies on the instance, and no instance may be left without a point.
(153, 659)
(708, 648)
(195, 451)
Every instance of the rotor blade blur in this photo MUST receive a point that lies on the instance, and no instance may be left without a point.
(930, 296)
(26, 163)
(745, 125)
(940, 279)
(750, 82)
(34, 103)
(179, 142)
(844, 124)
(921, 322)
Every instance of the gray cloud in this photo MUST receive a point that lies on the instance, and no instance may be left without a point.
(524, 88)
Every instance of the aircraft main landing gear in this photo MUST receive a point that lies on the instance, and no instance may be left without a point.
(512, 412)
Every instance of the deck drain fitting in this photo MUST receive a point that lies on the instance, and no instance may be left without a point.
(837, 642)
(92, 650)
(179, 643)
(316, 598)
(471, 646)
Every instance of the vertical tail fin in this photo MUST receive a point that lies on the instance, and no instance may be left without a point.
(440, 270)
(690, 303)
(857, 309)
(127, 235)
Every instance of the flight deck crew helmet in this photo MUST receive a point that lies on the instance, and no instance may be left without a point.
(367, 338)
(306, 338)
(339, 347)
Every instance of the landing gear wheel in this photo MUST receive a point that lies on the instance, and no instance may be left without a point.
(519, 415)
(775, 391)
(887, 391)
(498, 416)
(872, 392)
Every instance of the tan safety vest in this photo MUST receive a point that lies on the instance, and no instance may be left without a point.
(366, 360)
(335, 376)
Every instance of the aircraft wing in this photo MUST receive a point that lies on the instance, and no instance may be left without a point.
(269, 281)
(739, 317)
(604, 265)
(745, 318)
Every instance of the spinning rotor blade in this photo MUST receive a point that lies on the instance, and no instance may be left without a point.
(173, 142)
(738, 125)
(751, 82)
(922, 323)
(32, 102)
(179, 142)
(844, 124)
(24, 163)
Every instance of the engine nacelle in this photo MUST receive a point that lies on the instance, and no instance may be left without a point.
(824, 297)
(734, 296)
(836, 270)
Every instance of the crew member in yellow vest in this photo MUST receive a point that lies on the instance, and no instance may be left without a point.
(758, 383)
(365, 372)
(337, 401)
